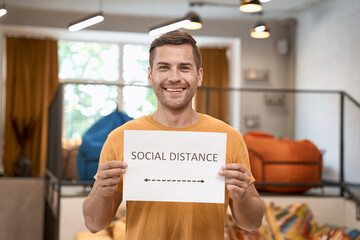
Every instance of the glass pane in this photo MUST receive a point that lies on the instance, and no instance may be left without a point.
(84, 104)
(137, 100)
(136, 62)
(88, 61)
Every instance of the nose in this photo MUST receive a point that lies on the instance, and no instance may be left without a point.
(174, 75)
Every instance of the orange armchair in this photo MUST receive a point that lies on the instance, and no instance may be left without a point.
(283, 165)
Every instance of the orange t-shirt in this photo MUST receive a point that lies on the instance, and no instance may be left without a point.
(176, 220)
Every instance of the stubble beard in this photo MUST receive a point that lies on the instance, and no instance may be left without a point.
(174, 103)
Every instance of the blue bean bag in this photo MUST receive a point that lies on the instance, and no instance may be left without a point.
(92, 142)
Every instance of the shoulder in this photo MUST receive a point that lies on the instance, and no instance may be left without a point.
(235, 140)
(218, 125)
(135, 124)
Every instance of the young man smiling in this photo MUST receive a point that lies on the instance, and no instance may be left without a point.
(175, 73)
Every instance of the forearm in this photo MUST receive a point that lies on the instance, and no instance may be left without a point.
(248, 212)
(99, 210)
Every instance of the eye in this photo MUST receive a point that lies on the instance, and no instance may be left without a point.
(185, 68)
(163, 67)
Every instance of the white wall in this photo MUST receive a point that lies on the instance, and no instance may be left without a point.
(71, 217)
(327, 47)
(327, 58)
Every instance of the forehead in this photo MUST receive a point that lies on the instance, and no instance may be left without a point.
(181, 53)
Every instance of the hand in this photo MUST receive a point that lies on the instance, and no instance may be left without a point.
(237, 178)
(109, 175)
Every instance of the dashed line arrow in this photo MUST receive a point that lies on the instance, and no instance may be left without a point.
(173, 180)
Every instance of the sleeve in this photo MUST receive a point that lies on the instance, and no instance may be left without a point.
(107, 154)
(240, 153)
(111, 152)
(245, 158)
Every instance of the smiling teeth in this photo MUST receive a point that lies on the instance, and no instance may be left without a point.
(174, 90)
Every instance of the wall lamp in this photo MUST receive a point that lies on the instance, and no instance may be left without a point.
(191, 21)
(250, 6)
(260, 31)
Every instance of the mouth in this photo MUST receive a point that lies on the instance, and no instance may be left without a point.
(174, 89)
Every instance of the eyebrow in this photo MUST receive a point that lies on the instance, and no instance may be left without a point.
(181, 64)
(162, 63)
(186, 64)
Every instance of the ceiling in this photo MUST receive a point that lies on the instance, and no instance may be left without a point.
(212, 9)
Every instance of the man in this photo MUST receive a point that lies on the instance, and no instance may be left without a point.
(174, 73)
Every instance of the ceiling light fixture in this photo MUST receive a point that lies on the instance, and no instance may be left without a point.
(250, 6)
(3, 10)
(260, 31)
(191, 21)
(170, 26)
(195, 21)
(87, 21)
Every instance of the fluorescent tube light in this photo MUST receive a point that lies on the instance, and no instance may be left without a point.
(86, 22)
(169, 27)
(191, 21)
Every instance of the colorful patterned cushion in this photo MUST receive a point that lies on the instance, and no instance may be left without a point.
(295, 221)
(331, 232)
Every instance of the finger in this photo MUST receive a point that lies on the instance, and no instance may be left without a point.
(110, 173)
(236, 190)
(228, 174)
(236, 183)
(113, 164)
(110, 182)
(234, 166)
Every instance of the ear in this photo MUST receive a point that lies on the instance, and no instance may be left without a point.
(149, 76)
(200, 77)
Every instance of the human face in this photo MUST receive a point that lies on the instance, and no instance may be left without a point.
(174, 76)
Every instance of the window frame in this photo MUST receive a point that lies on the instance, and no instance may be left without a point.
(120, 82)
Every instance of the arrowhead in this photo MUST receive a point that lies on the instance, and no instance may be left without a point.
(146, 180)
(202, 181)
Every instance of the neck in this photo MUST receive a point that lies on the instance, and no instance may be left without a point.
(176, 119)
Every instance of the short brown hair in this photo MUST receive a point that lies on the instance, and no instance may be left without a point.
(177, 37)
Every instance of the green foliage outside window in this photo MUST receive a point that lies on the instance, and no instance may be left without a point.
(82, 63)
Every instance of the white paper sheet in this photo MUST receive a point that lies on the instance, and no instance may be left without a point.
(174, 166)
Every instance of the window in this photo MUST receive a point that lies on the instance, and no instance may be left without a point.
(137, 101)
(99, 78)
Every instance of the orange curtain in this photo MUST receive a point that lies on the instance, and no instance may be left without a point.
(215, 65)
(31, 83)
